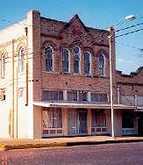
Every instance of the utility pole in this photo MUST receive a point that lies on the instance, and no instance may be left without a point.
(110, 38)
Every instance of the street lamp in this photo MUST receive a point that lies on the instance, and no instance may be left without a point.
(130, 17)
(111, 37)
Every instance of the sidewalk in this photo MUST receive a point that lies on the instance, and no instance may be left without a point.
(9, 144)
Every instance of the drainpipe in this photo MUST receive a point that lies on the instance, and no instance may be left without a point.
(27, 96)
(13, 92)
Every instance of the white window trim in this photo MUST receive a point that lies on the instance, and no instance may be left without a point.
(3, 66)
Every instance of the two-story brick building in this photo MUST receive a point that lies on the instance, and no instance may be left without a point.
(55, 81)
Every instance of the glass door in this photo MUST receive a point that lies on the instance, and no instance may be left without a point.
(82, 121)
(77, 122)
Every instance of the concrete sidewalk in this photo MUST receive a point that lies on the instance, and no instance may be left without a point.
(9, 144)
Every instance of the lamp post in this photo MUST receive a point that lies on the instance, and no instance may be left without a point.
(111, 39)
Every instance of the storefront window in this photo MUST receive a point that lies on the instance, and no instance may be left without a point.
(52, 118)
(127, 120)
(98, 119)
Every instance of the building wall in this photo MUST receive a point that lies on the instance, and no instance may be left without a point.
(56, 34)
(131, 84)
(17, 111)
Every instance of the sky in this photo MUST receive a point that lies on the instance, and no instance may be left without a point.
(93, 13)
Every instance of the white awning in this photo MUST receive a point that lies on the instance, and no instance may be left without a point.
(80, 105)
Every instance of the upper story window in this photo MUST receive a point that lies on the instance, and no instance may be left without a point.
(21, 54)
(52, 95)
(65, 60)
(83, 96)
(48, 58)
(87, 63)
(99, 97)
(3, 65)
(76, 51)
(72, 95)
(101, 65)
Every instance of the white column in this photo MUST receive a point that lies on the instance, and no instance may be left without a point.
(89, 96)
(118, 95)
(65, 95)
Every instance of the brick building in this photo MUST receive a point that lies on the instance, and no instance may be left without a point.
(55, 81)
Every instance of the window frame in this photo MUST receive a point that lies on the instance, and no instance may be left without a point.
(69, 68)
(3, 65)
(104, 64)
(90, 62)
(21, 59)
(79, 62)
(44, 61)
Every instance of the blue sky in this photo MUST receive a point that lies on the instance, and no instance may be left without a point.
(94, 13)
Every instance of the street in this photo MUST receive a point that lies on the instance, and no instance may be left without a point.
(105, 154)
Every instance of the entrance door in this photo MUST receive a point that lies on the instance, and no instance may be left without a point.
(77, 122)
(140, 126)
(82, 122)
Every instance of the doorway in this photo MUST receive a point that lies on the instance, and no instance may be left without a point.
(77, 122)
(140, 126)
(82, 122)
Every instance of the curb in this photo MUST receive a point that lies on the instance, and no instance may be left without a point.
(102, 142)
(6, 147)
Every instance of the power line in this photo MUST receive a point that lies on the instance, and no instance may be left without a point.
(128, 27)
(131, 32)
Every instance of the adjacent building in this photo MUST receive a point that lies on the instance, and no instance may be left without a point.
(55, 81)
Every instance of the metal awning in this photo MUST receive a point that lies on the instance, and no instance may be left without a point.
(80, 105)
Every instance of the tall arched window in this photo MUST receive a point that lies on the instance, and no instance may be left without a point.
(3, 65)
(87, 62)
(76, 51)
(101, 65)
(21, 54)
(48, 59)
(65, 60)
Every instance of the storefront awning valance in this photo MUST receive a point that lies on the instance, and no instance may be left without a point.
(80, 105)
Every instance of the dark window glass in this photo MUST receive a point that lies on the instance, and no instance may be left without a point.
(72, 95)
(99, 97)
(87, 63)
(52, 95)
(65, 60)
(83, 96)
(48, 59)
(127, 120)
(76, 60)
(101, 64)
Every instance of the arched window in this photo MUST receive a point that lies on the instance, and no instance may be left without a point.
(101, 65)
(76, 51)
(3, 65)
(21, 54)
(65, 60)
(48, 60)
(87, 62)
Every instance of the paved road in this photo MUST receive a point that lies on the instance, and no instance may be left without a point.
(107, 154)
